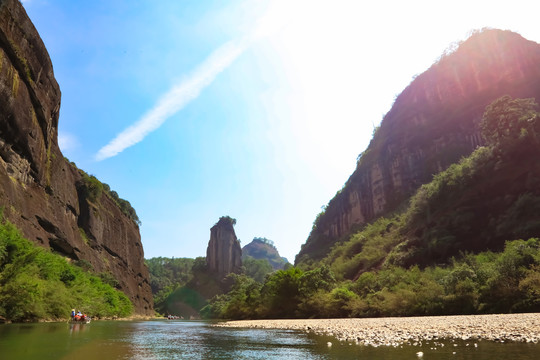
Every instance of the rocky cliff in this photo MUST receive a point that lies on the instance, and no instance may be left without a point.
(40, 191)
(432, 124)
(224, 255)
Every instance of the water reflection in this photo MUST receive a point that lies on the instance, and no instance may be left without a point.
(198, 340)
(75, 328)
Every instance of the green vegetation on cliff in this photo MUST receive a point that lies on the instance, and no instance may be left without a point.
(226, 220)
(475, 205)
(432, 124)
(92, 189)
(451, 251)
(37, 284)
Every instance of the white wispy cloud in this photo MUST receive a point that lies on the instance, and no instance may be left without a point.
(67, 141)
(176, 98)
(276, 16)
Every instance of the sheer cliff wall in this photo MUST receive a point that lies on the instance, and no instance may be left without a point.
(432, 124)
(40, 191)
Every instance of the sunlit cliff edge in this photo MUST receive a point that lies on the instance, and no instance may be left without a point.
(433, 123)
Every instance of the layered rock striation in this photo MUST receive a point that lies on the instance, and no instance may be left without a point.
(40, 191)
(224, 254)
(432, 124)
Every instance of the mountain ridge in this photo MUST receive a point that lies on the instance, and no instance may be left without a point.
(431, 125)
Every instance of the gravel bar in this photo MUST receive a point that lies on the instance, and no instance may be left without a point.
(412, 330)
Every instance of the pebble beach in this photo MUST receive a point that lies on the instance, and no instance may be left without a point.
(412, 330)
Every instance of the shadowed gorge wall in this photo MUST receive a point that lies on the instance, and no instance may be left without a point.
(432, 124)
(41, 192)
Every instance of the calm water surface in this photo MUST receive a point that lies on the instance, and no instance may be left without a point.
(199, 340)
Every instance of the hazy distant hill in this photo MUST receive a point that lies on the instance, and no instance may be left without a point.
(262, 248)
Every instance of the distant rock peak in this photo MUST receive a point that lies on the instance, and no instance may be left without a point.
(224, 254)
(262, 248)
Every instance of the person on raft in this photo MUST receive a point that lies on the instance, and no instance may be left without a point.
(79, 316)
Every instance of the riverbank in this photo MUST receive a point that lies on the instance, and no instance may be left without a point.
(412, 330)
(67, 319)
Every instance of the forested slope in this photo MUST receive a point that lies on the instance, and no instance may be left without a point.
(467, 242)
(432, 124)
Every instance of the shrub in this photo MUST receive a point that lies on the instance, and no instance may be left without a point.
(37, 284)
(92, 189)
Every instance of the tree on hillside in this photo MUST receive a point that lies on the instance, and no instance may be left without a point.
(226, 219)
(264, 241)
(280, 293)
(166, 272)
(257, 269)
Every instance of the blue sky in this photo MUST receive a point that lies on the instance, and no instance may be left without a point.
(192, 110)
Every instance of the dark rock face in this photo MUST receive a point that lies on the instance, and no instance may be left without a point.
(40, 190)
(223, 255)
(432, 124)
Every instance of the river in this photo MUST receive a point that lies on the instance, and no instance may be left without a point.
(163, 339)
